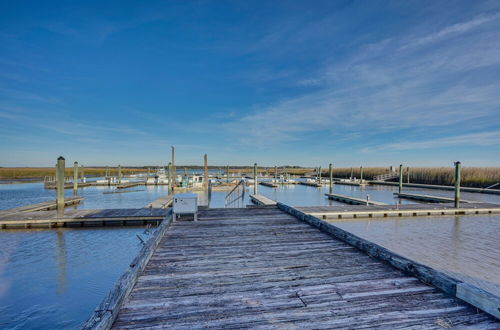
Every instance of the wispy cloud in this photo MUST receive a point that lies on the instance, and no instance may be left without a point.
(380, 89)
(464, 140)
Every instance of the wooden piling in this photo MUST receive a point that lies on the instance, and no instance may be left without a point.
(227, 173)
(330, 174)
(361, 174)
(408, 174)
(400, 178)
(457, 184)
(255, 179)
(61, 164)
(205, 171)
(75, 178)
(174, 179)
(319, 174)
(82, 176)
(169, 176)
(276, 173)
(119, 174)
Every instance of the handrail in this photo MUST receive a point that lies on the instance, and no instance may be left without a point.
(240, 195)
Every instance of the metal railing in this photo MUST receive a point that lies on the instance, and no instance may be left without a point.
(236, 194)
(386, 176)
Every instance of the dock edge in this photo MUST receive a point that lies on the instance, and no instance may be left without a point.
(466, 292)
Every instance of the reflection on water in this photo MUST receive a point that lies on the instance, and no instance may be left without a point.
(55, 278)
(465, 247)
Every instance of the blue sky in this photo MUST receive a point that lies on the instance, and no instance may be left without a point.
(274, 82)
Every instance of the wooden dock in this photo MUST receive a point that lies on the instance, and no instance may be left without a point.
(439, 187)
(105, 217)
(311, 184)
(264, 268)
(45, 206)
(351, 183)
(130, 184)
(269, 184)
(404, 210)
(429, 198)
(352, 200)
(261, 200)
(161, 203)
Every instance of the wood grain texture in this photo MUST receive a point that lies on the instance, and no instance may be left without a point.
(263, 268)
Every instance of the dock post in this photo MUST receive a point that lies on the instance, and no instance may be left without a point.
(400, 178)
(408, 174)
(276, 173)
(352, 173)
(169, 176)
(255, 178)
(319, 175)
(82, 176)
(227, 173)
(457, 184)
(75, 178)
(174, 174)
(61, 165)
(361, 174)
(119, 174)
(330, 173)
(205, 172)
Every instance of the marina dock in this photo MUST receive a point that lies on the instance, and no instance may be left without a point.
(439, 187)
(352, 200)
(428, 198)
(161, 203)
(104, 217)
(404, 210)
(269, 184)
(261, 200)
(276, 268)
(311, 184)
(45, 206)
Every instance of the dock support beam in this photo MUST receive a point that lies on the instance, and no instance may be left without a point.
(255, 178)
(408, 174)
(457, 184)
(61, 165)
(361, 174)
(330, 174)
(227, 174)
(319, 174)
(400, 178)
(119, 174)
(276, 173)
(205, 171)
(75, 178)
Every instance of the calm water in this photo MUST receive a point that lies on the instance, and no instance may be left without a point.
(465, 247)
(55, 278)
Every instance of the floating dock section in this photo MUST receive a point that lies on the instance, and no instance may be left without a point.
(276, 268)
(439, 187)
(161, 203)
(429, 198)
(261, 200)
(45, 206)
(352, 200)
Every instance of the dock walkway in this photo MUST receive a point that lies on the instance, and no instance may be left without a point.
(352, 200)
(261, 267)
(429, 198)
(44, 206)
(261, 200)
(99, 217)
(161, 203)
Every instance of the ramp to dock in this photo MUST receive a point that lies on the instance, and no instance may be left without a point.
(261, 267)
(161, 203)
